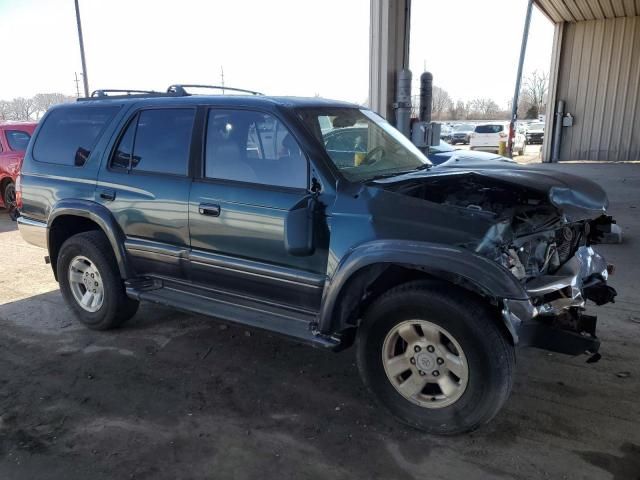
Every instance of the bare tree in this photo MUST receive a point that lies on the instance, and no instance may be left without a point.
(483, 109)
(22, 108)
(441, 102)
(458, 112)
(534, 91)
(5, 110)
(44, 101)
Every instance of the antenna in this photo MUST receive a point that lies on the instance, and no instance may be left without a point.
(222, 78)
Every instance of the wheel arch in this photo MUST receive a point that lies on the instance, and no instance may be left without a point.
(373, 268)
(70, 217)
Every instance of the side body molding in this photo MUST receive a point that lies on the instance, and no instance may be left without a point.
(486, 275)
(103, 218)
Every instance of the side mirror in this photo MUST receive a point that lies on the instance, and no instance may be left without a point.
(299, 227)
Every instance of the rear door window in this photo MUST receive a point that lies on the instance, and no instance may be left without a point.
(17, 139)
(489, 128)
(69, 134)
(156, 141)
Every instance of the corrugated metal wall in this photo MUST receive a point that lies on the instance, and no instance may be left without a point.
(599, 79)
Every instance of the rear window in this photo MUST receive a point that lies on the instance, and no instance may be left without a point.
(17, 139)
(68, 135)
(489, 128)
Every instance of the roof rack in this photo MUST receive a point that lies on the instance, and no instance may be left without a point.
(180, 89)
(172, 91)
(105, 92)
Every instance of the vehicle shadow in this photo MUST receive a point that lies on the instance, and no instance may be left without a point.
(202, 389)
(7, 224)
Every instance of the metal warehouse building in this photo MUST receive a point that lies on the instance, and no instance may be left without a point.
(595, 73)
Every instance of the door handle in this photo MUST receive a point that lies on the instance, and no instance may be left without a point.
(108, 195)
(209, 210)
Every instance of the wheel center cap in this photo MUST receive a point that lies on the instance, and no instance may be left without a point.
(425, 361)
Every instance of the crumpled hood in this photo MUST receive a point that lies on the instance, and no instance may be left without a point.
(577, 197)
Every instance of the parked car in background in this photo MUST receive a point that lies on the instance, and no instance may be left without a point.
(252, 210)
(487, 137)
(344, 143)
(14, 139)
(445, 132)
(462, 134)
(534, 133)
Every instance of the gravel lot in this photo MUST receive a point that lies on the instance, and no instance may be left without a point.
(175, 396)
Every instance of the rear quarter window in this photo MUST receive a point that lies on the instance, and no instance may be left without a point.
(489, 128)
(69, 134)
(17, 140)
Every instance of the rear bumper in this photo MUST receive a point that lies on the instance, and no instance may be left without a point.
(33, 231)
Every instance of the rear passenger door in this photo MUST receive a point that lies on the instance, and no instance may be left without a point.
(253, 172)
(146, 186)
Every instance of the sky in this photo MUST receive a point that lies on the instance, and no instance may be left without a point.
(279, 47)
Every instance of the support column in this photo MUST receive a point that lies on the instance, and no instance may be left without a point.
(388, 51)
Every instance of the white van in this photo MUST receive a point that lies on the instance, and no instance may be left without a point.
(486, 137)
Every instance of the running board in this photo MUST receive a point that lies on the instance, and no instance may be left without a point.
(231, 307)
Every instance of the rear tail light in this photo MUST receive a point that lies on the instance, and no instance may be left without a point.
(19, 192)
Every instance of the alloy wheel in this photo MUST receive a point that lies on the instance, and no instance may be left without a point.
(425, 363)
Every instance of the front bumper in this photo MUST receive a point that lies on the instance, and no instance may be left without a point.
(553, 318)
(33, 231)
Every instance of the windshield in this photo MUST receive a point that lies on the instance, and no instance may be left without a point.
(464, 128)
(361, 144)
(536, 126)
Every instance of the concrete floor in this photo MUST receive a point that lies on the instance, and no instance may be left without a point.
(174, 396)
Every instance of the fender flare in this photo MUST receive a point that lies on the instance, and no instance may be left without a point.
(487, 276)
(100, 215)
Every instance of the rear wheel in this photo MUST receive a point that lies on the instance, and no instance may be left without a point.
(435, 358)
(9, 197)
(90, 282)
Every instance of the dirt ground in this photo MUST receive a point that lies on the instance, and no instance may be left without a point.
(176, 396)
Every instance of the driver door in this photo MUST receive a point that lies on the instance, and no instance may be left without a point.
(253, 174)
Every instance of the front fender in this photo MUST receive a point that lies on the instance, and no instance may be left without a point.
(100, 215)
(487, 276)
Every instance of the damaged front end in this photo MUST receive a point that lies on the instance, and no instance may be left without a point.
(546, 243)
(541, 228)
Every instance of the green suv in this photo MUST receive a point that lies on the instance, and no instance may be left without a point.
(233, 206)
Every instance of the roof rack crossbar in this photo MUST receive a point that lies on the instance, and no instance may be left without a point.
(180, 89)
(105, 92)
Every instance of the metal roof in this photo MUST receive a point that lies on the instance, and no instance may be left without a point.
(579, 10)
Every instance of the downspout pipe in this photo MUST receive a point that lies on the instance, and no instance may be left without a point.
(516, 94)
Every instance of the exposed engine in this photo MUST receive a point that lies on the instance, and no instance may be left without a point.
(529, 236)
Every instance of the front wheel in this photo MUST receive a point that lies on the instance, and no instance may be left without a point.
(435, 358)
(90, 282)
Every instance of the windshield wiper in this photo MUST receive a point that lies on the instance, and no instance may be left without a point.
(424, 166)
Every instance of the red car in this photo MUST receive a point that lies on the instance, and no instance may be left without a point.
(14, 138)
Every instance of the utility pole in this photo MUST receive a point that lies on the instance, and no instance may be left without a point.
(85, 78)
(516, 95)
(77, 85)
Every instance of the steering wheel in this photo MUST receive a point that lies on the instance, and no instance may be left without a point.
(369, 158)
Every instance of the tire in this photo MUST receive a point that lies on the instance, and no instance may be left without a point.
(92, 251)
(9, 198)
(490, 358)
